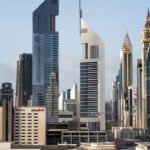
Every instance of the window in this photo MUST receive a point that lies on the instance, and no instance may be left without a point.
(54, 1)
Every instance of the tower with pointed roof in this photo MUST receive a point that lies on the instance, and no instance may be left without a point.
(127, 80)
(145, 73)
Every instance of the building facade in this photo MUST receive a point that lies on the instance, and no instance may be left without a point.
(7, 121)
(6, 92)
(127, 79)
(52, 97)
(30, 125)
(145, 74)
(45, 49)
(139, 92)
(92, 75)
(24, 80)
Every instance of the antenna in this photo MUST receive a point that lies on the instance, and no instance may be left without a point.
(80, 15)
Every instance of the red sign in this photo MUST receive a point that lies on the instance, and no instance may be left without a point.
(37, 110)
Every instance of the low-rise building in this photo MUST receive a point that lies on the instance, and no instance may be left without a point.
(30, 125)
(98, 146)
(143, 146)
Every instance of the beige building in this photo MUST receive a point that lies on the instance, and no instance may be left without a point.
(1, 123)
(98, 146)
(30, 125)
(143, 146)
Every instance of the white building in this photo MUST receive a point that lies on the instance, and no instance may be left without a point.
(7, 146)
(143, 146)
(92, 75)
(98, 146)
(30, 125)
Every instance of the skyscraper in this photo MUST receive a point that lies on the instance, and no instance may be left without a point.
(52, 97)
(6, 92)
(139, 92)
(24, 80)
(127, 79)
(7, 123)
(92, 75)
(45, 49)
(145, 74)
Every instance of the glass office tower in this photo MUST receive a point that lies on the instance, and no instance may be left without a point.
(45, 49)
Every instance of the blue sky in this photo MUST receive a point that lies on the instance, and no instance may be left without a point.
(111, 19)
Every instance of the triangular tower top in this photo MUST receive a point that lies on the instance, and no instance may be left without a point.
(148, 19)
(127, 43)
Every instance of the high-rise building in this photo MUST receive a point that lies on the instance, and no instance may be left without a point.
(92, 75)
(132, 94)
(145, 74)
(45, 49)
(7, 123)
(127, 79)
(116, 100)
(6, 92)
(115, 103)
(68, 102)
(30, 126)
(139, 92)
(24, 80)
(52, 97)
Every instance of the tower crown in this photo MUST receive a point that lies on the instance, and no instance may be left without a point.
(147, 19)
(127, 43)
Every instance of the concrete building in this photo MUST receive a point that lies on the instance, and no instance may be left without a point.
(24, 80)
(10, 146)
(98, 146)
(127, 79)
(145, 74)
(7, 122)
(45, 49)
(52, 97)
(70, 104)
(30, 126)
(92, 74)
(143, 146)
(132, 92)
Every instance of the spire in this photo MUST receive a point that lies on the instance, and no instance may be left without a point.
(80, 15)
(148, 13)
(148, 18)
(127, 43)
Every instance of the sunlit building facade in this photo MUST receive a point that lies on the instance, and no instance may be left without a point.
(92, 75)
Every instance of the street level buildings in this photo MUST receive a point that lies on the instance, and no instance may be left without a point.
(24, 80)
(45, 49)
(30, 126)
(92, 75)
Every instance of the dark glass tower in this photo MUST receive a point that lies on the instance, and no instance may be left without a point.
(24, 80)
(6, 93)
(45, 49)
